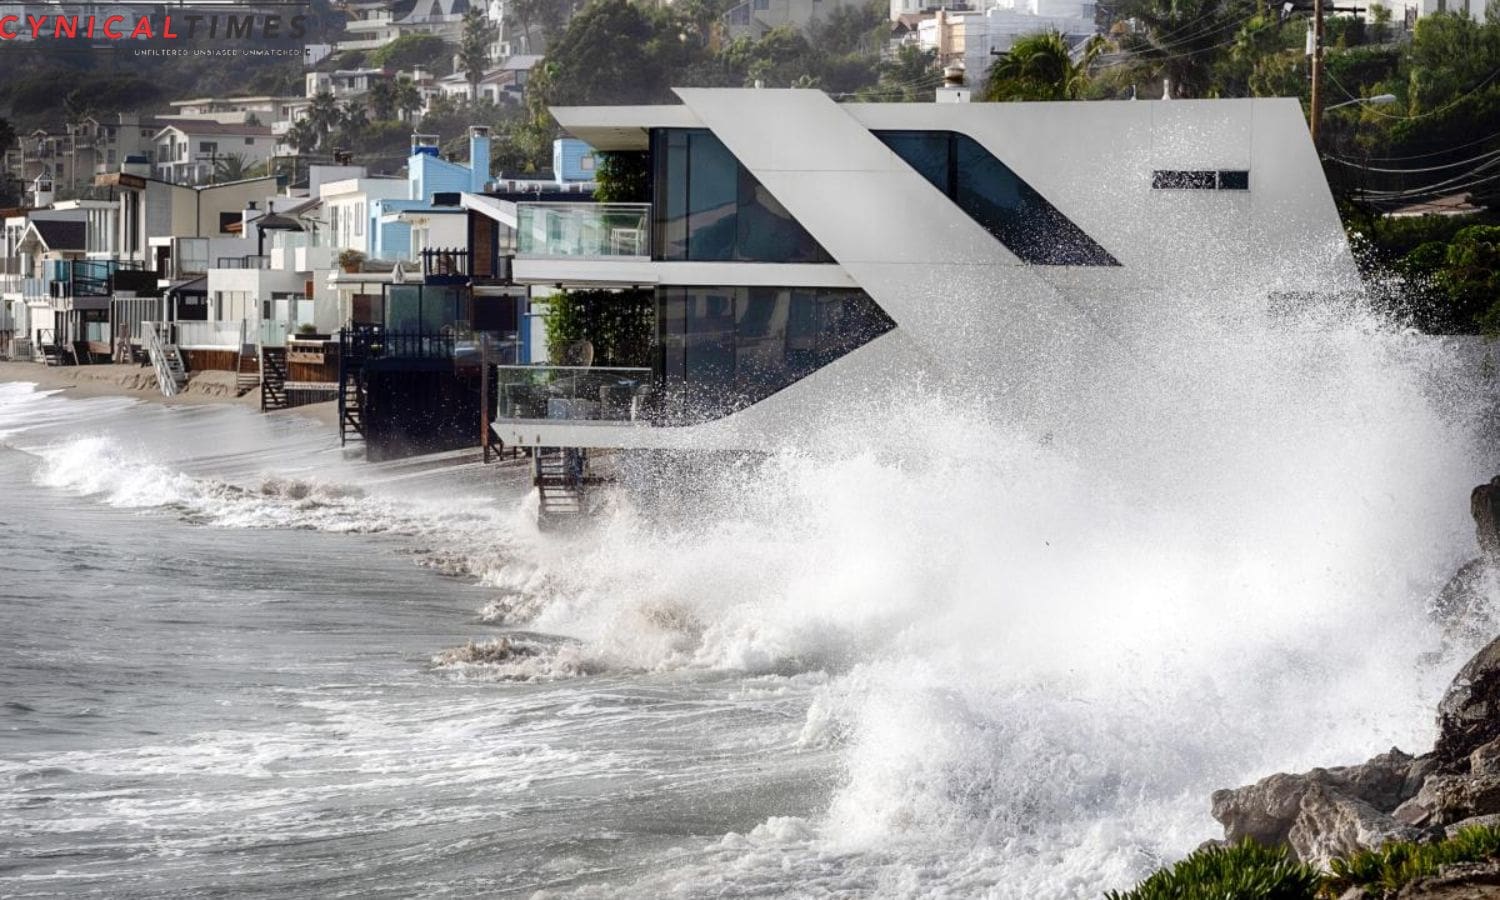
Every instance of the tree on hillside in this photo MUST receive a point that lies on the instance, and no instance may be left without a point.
(231, 167)
(1040, 66)
(323, 115)
(383, 100)
(303, 137)
(410, 51)
(10, 187)
(408, 98)
(616, 51)
(474, 49)
(1181, 40)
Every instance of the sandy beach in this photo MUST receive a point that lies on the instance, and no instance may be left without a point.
(139, 382)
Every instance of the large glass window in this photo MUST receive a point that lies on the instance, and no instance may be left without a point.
(996, 197)
(708, 207)
(722, 349)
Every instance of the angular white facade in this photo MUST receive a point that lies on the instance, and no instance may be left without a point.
(1187, 198)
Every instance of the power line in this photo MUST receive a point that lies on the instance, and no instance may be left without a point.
(1453, 165)
(1473, 143)
(1432, 112)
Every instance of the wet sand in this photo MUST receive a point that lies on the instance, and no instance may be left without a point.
(139, 382)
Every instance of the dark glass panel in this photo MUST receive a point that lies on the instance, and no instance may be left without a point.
(723, 349)
(1184, 180)
(926, 151)
(710, 208)
(996, 198)
(713, 199)
(1234, 180)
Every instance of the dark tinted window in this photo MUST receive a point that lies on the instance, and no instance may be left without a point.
(722, 349)
(1200, 180)
(708, 207)
(994, 196)
(1234, 181)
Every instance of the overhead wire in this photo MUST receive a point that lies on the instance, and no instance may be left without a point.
(1432, 112)
(1453, 165)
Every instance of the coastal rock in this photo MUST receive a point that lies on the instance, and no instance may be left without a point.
(1330, 824)
(1469, 714)
(1463, 607)
(1466, 881)
(1490, 821)
(1484, 504)
(1445, 799)
(1349, 801)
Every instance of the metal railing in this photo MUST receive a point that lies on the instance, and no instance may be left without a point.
(243, 262)
(591, 393)
(444, 262)
(583, 229)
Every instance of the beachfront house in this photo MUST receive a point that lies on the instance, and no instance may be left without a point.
(792, 257)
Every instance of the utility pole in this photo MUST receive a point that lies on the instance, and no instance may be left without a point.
(1317, 72)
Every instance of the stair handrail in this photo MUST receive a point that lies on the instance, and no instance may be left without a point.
(165, 379)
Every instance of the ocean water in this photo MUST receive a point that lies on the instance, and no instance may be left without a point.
(982, 661)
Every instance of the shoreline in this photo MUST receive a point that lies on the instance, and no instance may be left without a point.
(207, 388)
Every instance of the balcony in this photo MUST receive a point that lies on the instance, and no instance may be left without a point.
(243, 262)
(583, 230)
(573, 393)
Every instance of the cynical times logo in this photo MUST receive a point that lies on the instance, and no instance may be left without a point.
(146, 27)
(124, 20)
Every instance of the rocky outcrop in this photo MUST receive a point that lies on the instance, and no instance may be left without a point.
(1326, 813)
(1466, 881)
(1463, 607)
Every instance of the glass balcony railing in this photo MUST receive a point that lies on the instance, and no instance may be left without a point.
(583, 229)
(573, 392)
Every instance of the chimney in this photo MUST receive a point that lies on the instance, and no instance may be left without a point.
(479, 157)
(953, 90)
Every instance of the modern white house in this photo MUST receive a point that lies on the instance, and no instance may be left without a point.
(188, 151)
(806, 257)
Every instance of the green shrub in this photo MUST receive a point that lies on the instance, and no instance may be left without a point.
(1244, 871)
(1396, 864)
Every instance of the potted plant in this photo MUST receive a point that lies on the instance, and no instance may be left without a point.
(350, 260)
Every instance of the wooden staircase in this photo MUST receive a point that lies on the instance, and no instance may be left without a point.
(246, 370)
(351, 409)
(273, 378)
(352, 395)
(561, 479)
(171, 374)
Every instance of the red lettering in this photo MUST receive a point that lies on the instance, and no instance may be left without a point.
(91, 26)
(8, 35)
(36, 23)
(166, 29)
(142, 28)
(113, 35)
(61, 24)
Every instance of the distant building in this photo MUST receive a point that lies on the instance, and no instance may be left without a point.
(187, 151)
(753, 18)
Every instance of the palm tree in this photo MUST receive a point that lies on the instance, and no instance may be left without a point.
(323, 116)
(1040, 66)
(1179, 42)
(474, 48)
(408, 98)
(303, 137)
(230, 167)
(383, 100)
